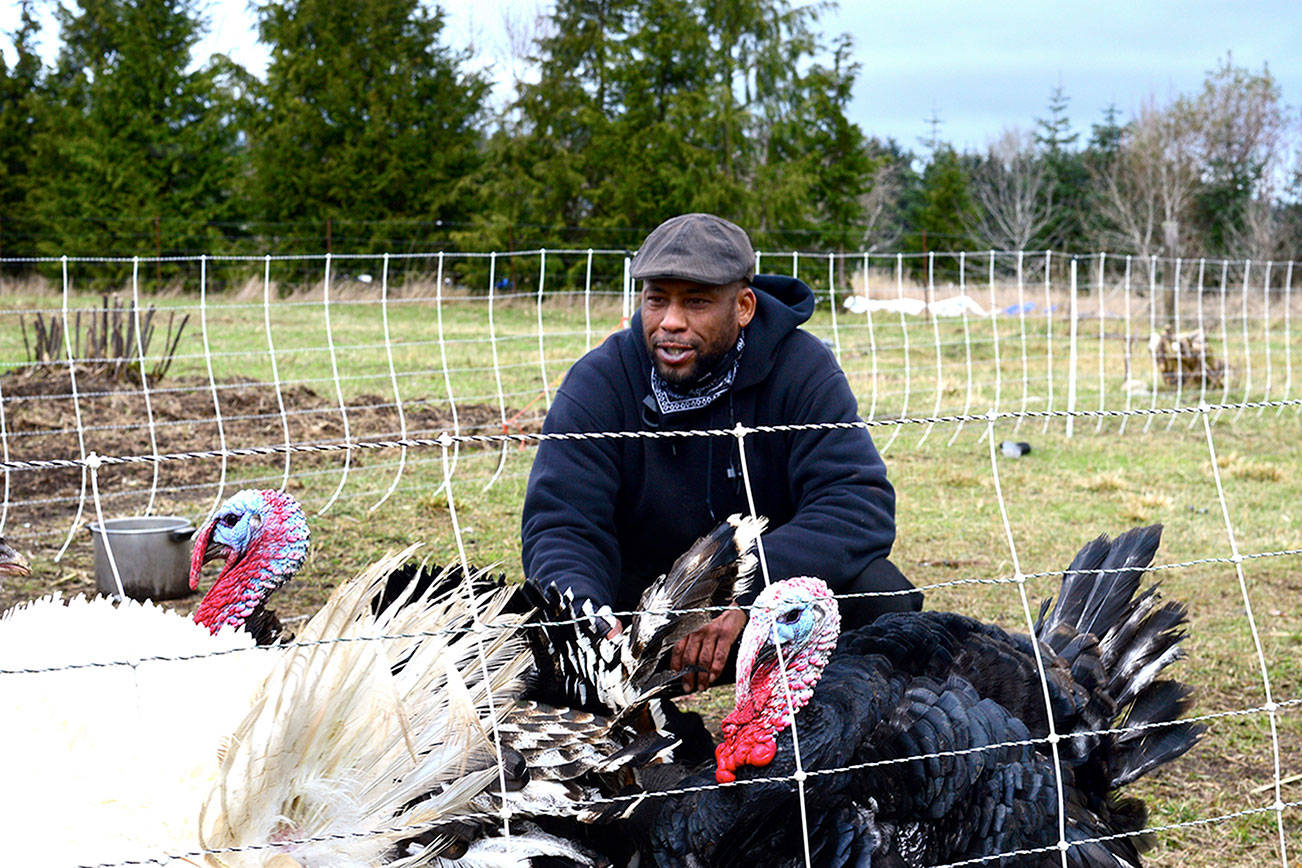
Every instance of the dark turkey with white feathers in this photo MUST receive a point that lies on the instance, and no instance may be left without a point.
(591, 720)
(924, 737)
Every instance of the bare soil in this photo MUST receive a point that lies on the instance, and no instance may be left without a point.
(41, 423)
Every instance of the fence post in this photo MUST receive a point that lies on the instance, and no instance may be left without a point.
(1071, 348)
(1171, 236)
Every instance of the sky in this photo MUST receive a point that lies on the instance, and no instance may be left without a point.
(978, 67)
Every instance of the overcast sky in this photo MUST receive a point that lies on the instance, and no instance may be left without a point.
(978, 67)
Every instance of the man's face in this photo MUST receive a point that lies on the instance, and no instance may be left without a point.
(690, 326)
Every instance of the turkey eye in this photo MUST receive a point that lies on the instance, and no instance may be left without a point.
(230, 519)
(790, 616)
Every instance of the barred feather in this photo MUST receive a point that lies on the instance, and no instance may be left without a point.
(619, 674)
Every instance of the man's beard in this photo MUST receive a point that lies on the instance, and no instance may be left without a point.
(705, 365)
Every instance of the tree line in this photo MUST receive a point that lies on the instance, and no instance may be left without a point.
(370, 133)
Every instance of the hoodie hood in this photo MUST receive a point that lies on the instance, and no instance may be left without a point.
(783, 304)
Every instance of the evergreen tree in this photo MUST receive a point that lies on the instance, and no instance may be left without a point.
(137, 157)
(1055, 134)
(827, 157)
(647, 108)
(1069, 185)
(19, 114)
(941, 211)
(1107, 135)
(367, 130)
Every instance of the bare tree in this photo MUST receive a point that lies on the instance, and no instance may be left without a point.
(524, 25)
(1241, 127)
(1150, 181)
(1241, 123)
(1013, 192)
(881, 228)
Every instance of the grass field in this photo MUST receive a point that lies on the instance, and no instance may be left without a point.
(1112, 472)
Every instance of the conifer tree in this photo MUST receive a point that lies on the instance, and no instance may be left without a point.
(647, 108)
(367, 130)
(137, 156)
(19, 115)
(941, 210)
(1069, 178)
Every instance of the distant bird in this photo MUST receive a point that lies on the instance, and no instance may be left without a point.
(924, 737)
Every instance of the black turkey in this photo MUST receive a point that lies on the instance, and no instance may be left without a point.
(941, 722)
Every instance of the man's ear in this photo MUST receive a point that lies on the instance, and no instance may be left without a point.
(745, 305)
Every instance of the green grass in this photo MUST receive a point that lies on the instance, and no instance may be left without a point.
(1112, 473)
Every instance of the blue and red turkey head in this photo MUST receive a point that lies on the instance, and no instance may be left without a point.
(262, 537)
(801, 617)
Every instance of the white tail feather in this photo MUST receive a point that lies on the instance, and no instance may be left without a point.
(341, 746)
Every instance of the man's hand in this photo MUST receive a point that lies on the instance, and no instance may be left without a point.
(708, 649)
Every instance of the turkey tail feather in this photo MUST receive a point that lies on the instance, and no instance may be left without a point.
(1101, 580)
(344, 743)
(1152, 732)
(1137, 638)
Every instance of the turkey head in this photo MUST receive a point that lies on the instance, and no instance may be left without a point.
(262, 536)
(789, 638)
(12, 562)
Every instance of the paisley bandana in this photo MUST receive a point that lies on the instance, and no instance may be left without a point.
(706, 390)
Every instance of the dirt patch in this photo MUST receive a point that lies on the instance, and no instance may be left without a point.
(42, 421)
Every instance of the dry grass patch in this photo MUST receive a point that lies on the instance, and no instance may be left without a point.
(1146, 507)
(1241, 467)
(1104, 483)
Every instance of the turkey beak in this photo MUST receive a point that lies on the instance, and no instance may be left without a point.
(205, 549)
(765, 654)
(12, 563)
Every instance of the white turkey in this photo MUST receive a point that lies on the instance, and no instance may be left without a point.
(924, 736)
(145, 734)
(106, 692)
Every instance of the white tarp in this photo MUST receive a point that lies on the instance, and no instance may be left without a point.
(956, 305)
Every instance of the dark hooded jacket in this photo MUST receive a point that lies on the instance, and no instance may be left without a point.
(604, 517)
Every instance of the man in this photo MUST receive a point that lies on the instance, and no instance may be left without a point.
(712, 345)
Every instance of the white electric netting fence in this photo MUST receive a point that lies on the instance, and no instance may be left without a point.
(361, 389)
(357, 354)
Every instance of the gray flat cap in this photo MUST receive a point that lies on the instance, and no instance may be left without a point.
(701, 248)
